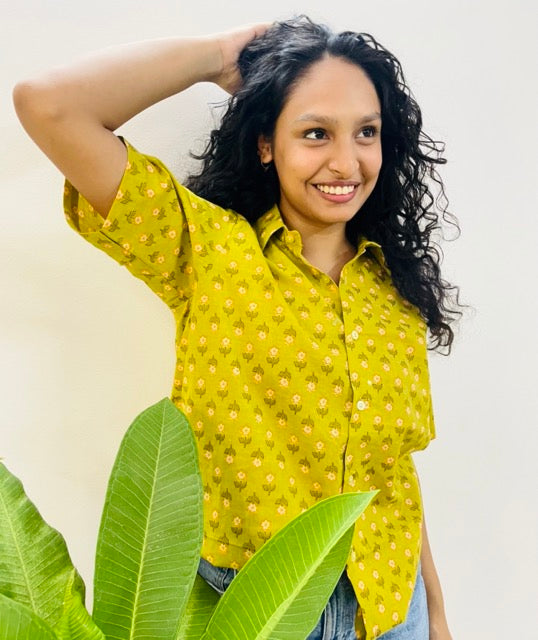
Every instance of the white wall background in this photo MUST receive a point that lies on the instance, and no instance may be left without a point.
(85, 347)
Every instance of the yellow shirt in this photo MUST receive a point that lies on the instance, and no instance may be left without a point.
(296, 388)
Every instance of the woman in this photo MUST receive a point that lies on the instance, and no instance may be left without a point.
(299, 267)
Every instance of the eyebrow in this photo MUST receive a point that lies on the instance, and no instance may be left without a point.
(313, 117)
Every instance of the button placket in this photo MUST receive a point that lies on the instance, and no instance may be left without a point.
(352, 337)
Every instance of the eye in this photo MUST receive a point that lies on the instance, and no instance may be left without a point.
(368, 132)
(315, 134)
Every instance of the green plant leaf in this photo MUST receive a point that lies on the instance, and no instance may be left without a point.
(282, 590)
(18, 622)
(149, 543)
(36, 568)
(76, 623)
(202, 603)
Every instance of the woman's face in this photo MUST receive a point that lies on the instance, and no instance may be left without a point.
(326, 146)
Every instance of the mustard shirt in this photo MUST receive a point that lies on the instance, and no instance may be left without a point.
(296, 388)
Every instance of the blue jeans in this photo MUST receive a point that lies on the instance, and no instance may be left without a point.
(337, 621)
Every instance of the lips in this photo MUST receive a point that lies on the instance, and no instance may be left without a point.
(337, 191)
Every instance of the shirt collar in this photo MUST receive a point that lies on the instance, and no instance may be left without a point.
(271, 222)
(376, 249)
(267, 225)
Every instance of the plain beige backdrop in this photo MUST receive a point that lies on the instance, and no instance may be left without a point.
(85, 347)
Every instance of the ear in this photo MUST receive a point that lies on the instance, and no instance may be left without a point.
(265, 149)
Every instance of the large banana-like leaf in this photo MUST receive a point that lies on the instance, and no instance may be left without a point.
(282, 590)
(18, 622)
(202, 602)
(76, 623)
(36, 569)
(151, 530)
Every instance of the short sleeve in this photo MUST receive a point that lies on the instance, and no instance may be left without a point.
(147, 228)
(426, 433)
(421, 428)
(431, 420)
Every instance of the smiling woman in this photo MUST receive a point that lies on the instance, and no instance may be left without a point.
(326, 150)
(401, 211)
(299, 268)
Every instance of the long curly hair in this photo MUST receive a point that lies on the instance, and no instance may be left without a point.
(408, 202)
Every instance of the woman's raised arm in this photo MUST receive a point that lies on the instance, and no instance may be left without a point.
(71, 111)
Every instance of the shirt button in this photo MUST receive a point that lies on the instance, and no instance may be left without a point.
(355, 335)
(361, 405)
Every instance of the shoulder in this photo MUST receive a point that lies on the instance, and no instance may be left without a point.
(148, 176)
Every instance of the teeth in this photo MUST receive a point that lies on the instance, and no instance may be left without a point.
(335, 191)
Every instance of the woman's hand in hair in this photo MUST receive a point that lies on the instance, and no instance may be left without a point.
(231, 44)
(71, 111)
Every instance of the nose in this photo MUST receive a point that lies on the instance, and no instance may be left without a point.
(344, 159)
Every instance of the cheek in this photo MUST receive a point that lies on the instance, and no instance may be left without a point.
(291, 169)
(374, 161)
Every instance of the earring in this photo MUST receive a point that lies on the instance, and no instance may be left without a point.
(265, 165)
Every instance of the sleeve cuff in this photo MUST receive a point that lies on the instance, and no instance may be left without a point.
(80, 214)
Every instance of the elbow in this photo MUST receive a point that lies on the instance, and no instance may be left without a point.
(35, 103)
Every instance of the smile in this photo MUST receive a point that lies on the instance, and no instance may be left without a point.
(339, 190)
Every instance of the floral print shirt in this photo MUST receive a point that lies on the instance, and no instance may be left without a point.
(296, 388)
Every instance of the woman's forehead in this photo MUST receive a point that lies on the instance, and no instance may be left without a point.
(329, 89)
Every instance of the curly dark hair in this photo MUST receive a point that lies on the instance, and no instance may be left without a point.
(400, 214)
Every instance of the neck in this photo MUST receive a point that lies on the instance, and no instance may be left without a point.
(327, 250)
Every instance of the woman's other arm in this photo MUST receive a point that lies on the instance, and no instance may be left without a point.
(436, 608)
(71, 111)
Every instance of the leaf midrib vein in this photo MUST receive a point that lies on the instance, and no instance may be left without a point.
(19, 553)
(141, 571)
